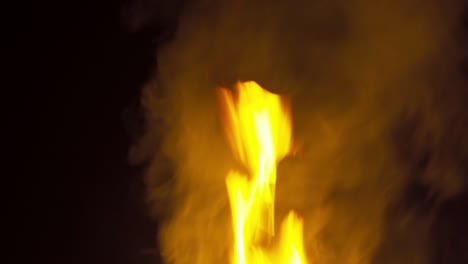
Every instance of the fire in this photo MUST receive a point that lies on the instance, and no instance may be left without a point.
(258, 128)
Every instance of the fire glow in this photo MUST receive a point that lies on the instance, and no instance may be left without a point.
(259, 131)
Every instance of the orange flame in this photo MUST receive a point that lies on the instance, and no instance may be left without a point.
(259, 131)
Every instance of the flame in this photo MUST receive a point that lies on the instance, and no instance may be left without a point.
(258, 128)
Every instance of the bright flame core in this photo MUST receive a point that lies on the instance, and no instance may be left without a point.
(258, 128)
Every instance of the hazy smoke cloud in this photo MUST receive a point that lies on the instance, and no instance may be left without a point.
(377, 104)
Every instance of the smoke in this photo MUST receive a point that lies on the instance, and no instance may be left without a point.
(377, 104)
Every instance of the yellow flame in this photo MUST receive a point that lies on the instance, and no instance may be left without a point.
(259, 131)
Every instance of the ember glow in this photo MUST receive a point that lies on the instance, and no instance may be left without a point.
(258, 128)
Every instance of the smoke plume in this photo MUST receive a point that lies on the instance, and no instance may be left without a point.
(377, 105)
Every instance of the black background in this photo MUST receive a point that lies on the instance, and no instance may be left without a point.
(80, 74)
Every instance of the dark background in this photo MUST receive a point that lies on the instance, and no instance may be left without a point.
(81, 73)
(79, 200)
